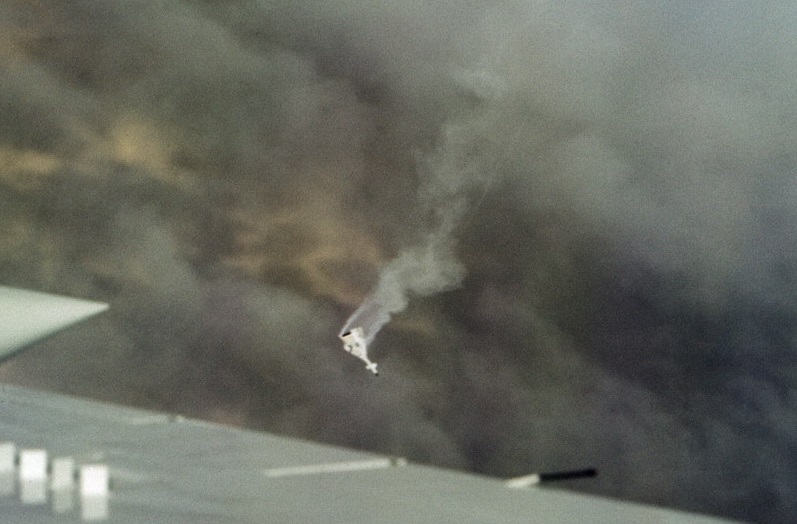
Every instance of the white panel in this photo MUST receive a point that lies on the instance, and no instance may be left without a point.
(32, 464)
(62, 476)
(94, 480)
(33, 476)
(8, 455)
(27, 316)
(94, 488)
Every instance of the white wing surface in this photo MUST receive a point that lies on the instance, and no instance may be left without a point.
(27, 317)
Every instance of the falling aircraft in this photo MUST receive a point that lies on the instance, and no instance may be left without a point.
(354, 343)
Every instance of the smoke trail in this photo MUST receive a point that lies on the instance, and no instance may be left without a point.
(422, 270)
(452, 177)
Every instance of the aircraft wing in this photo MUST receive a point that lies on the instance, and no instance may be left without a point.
(169, 469)
(27, 317)
(64, 459)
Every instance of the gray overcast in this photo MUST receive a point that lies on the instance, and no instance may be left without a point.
(580, 215)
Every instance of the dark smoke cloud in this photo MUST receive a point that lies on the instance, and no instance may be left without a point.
(233, 178)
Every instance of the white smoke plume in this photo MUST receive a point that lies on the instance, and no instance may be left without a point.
(453, 181)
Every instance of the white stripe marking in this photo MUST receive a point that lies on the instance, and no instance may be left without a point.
(335, 467)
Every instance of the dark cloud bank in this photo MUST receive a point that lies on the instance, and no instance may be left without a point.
(605, 189)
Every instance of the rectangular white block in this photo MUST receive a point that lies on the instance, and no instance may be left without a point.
(62, 474)
(33, 476)
(94, 481)
(32, 464)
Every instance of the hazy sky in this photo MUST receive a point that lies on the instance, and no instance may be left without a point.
(591, 204)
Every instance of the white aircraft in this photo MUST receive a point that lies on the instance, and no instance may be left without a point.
(354, 343)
